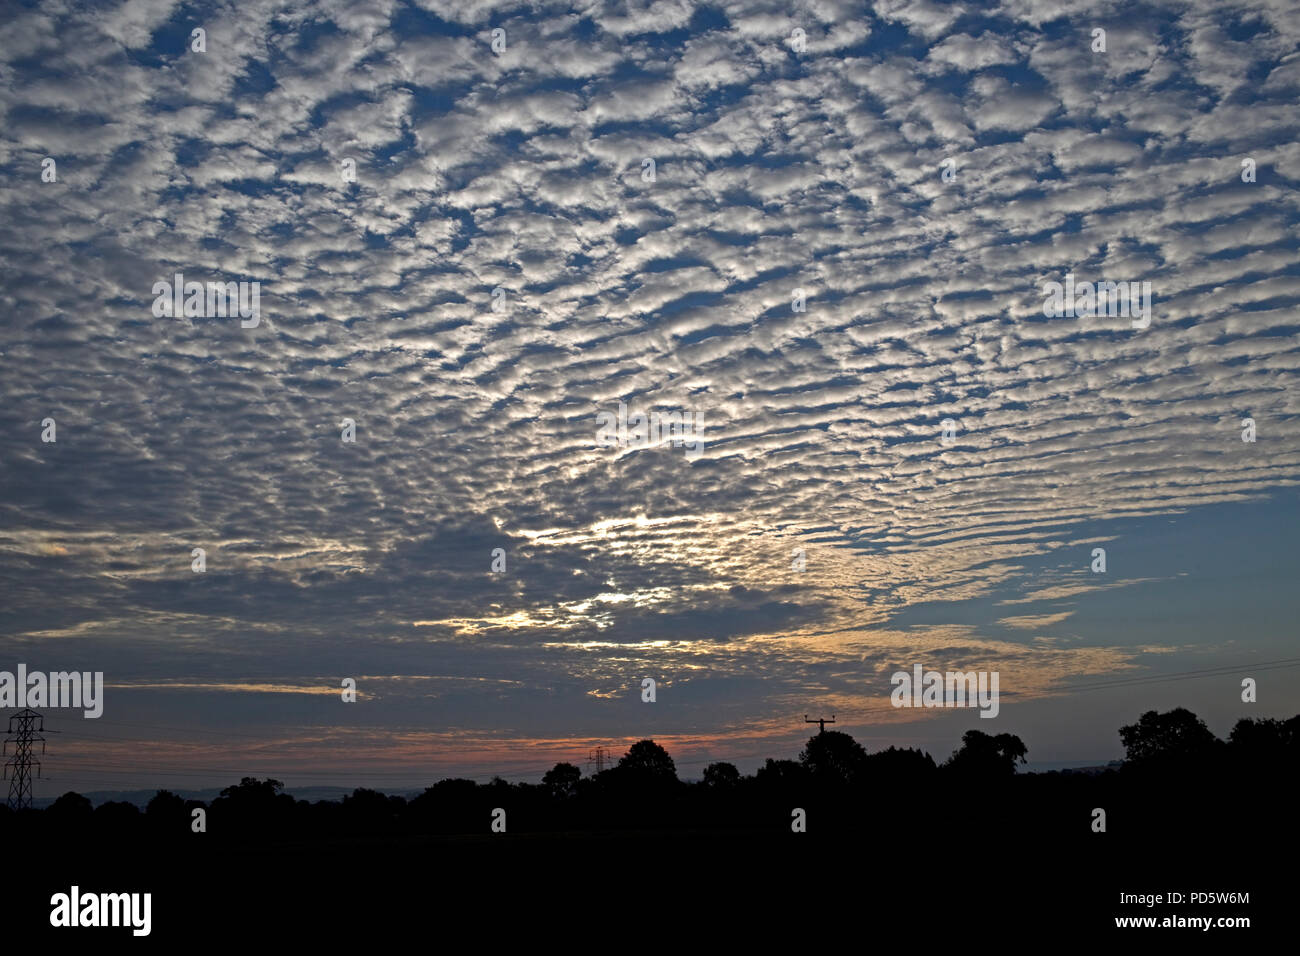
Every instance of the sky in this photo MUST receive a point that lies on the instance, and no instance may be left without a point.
(819, 229)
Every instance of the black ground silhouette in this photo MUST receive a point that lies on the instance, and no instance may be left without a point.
(891, 837)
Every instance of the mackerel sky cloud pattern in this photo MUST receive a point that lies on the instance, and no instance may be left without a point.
(775, 171)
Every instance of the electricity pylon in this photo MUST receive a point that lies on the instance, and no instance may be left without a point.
(31, 726)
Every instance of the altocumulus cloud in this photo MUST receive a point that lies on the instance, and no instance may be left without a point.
(778, 166)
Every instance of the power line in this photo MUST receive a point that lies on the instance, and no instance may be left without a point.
(1188, 675)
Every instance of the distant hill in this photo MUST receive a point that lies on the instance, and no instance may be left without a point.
(142, 797)
(1069, 766)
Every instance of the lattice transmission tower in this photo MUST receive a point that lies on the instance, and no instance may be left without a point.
(598, 757)
(31, 730)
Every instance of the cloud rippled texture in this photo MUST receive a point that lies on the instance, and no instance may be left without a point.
(775, 170)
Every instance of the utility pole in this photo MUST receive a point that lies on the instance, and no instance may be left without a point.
(821, 722)
(31, 726)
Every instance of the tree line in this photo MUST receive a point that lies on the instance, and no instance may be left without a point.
(833, 776)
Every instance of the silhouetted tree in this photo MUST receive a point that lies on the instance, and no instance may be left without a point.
(118, 819)
(250, 790)
(450, 805)
(721, 776)
(898, 763)
(1178, 737)
(834, 757)
(780, 772)
(646, 760)
(168, 815)
(1265, 740)
(453, 787)
(561, 781)
(165, 805)
(984, 754)
(254, 806)
(369, 811)
(71, 809)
